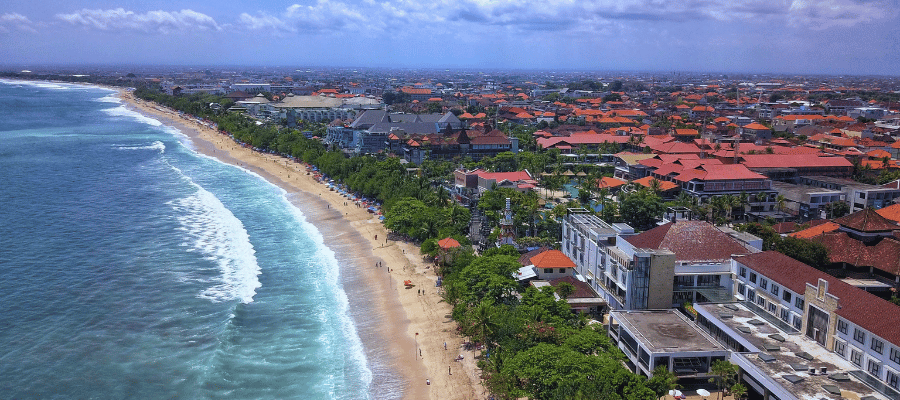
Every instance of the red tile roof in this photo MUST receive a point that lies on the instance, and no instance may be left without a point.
(867, 220)
(552, 259)
(690, 241)
(506, 176)
(885, 255)
(871, 312)
(793, 161)
(582, 290)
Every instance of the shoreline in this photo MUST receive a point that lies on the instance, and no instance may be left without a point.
(400, 323)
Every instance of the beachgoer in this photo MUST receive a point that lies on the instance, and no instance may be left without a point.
(445, 345)
(428, 382)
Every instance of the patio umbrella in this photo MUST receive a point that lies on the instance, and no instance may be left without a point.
(675, 393)
(703, 392)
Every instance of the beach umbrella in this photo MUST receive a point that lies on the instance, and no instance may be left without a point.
(703, 392)
(675, 393)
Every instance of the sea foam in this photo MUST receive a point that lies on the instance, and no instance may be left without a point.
(214, 232)
(156, 145)
(326, 272)
(121, 111)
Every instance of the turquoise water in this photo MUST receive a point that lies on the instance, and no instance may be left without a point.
(132, 267)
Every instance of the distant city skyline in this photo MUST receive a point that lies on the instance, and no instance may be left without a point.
(858, 37)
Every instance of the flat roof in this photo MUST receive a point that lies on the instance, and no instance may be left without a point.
(779, 352)
(665, 331)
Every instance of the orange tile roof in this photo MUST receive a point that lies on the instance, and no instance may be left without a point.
(815, 230)
(663, 185)
(552, 259)
(891, 212)
(609, 182)
(755, 126)
(448, 243)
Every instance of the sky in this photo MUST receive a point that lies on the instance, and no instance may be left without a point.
(858, 37)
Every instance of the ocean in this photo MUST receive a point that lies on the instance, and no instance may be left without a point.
(133, 267)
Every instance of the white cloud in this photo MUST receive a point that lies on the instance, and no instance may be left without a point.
(822, 14)
(15, 22)
(323, 16)
(477, 17)
(152, 21)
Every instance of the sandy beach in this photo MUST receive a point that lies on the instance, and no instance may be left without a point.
(413, 328)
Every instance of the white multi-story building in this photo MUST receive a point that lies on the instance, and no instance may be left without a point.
(684, 261)
(854, 324)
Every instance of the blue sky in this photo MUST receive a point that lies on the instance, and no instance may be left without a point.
(781, 36)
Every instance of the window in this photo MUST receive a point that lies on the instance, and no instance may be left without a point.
(785, 315)
(799, 302)
(891, 380)
(877, 345)
(895, 355)
(856, 357)
(741, 288)
(752, 277)
(763, 283)
(562, 270)
(743, 272)
(842, 326)
(859, 335)
(751, 295)
(874, 368)
(798, 322)
(786, 296)
(772, 308)
(548, 270)
(774, 290)
(840, 348)
(761, 301)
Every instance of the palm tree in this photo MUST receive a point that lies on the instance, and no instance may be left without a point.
(781, 201)
(743, 202)
(482, 321)
(655, 185)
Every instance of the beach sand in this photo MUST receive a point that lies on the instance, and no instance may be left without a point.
(406, 322)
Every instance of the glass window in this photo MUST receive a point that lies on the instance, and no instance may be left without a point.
(751, 295)
(763, 283)
(895, 355)
(772, 308)
(799, 302)
(798, 322)
(874, 368)
(842, 326)
(761, 301)
(786, 296)
(892, 380)
(877, 345)
(840, 348)
(743, 272)
(741, 288)
(774, 289)
(752, 277)
(548, 270)
(562, 270)
(859, 335)
(856, 357)
(785, 315)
